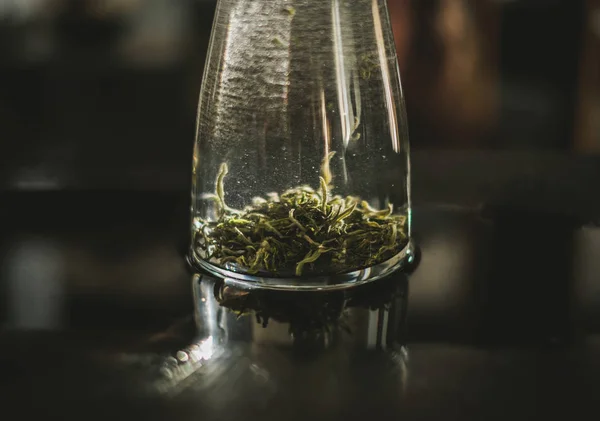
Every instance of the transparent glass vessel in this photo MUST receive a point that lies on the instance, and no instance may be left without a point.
(301, 172)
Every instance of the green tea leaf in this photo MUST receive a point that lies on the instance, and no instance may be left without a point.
(284, 232)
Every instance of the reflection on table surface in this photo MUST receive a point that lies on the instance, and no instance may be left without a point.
(258, 339)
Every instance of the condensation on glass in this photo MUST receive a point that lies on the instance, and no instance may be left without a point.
(301, 171)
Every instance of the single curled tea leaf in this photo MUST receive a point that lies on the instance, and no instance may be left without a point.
(242, 236)
(223, 170)
(295, 221)
(343, 215)
(271, 228)
(311, 257)
(326, 170)
(323, 194)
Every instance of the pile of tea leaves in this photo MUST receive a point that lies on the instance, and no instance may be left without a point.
(298, 228)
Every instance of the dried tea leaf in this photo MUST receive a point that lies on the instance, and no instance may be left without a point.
(284, 232)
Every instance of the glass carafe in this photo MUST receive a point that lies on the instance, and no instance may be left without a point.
(301, 172)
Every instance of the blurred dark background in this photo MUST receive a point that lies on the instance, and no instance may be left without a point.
(102, 93)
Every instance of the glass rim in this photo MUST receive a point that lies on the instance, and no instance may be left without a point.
(317, 283)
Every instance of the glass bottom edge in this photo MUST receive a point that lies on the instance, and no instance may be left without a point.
(317, 283)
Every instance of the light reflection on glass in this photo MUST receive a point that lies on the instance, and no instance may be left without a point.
(180, 372)
(249, 342)
(203, 351)
(176, 373)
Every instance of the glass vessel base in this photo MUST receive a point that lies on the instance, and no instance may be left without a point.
(316, 283)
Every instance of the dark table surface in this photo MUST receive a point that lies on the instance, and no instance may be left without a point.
(500, 319)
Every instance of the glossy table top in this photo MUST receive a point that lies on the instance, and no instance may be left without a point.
(101, 318)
